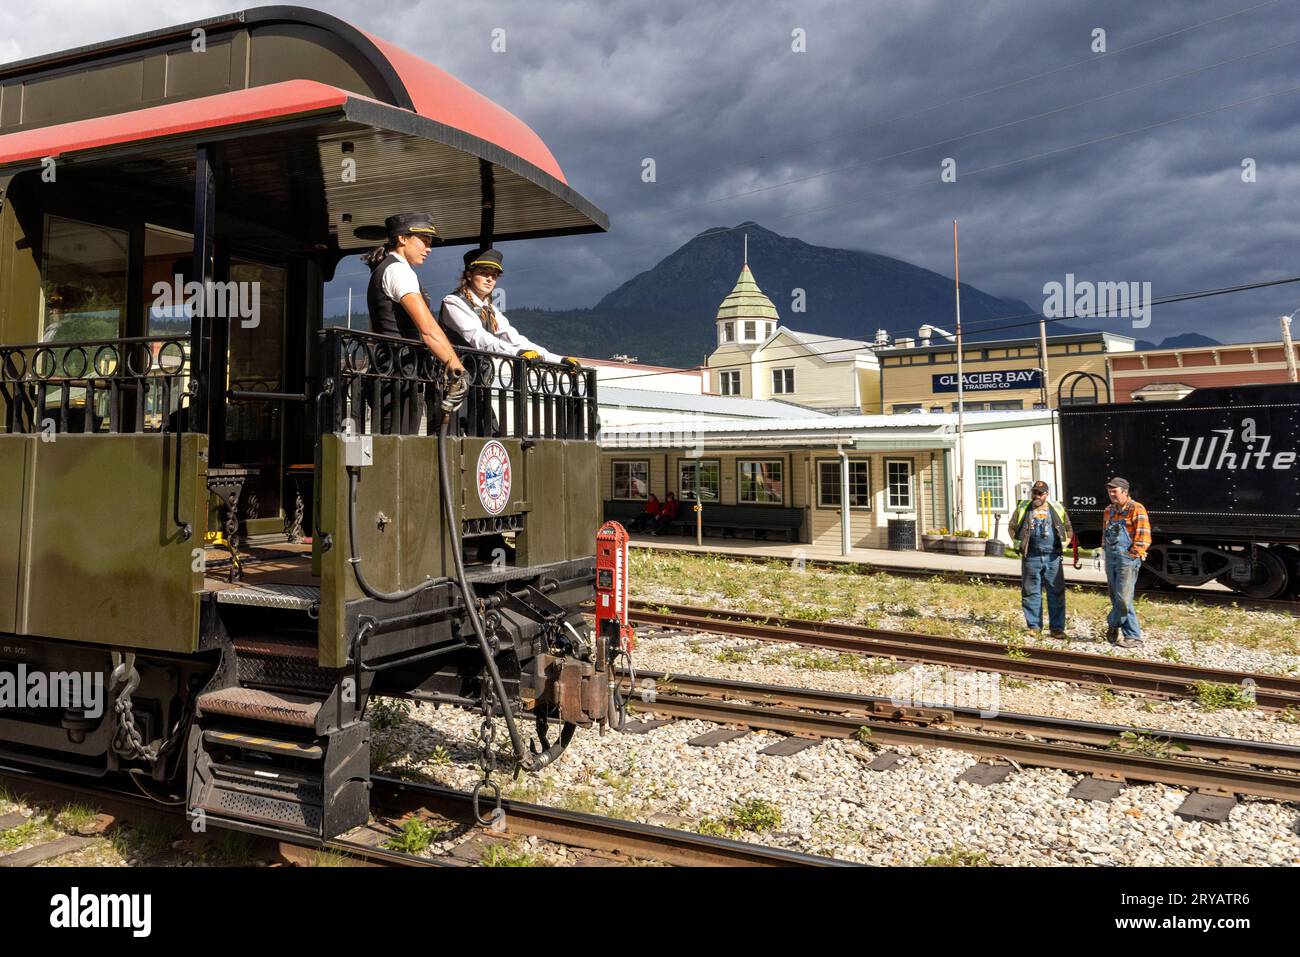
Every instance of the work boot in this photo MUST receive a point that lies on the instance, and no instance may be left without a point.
(1060, 636)
(1129, 641)
(1112, 635)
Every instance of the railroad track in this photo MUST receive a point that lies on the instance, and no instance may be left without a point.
(1210, 597)
(1217, 765)
(1164, 678)
(394, 800)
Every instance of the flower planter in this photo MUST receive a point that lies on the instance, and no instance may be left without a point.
(950, 544)
(932, 543)
(971, 546)
(995, 548)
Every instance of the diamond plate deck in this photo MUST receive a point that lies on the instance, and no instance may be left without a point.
(302, 597)
(255, 705)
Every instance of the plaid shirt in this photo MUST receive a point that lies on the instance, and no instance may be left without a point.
(1136, 521)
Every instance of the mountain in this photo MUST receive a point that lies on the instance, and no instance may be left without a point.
(1188, 340)
(665, 314)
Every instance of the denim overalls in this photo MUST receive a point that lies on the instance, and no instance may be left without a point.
(1041, 571)
(1121, 577)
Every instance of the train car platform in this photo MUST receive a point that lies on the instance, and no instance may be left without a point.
(920, 561)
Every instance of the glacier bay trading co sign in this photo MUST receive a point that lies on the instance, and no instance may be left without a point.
(994, 381)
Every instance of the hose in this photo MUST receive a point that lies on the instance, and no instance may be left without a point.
(471, 608)
(355, 561)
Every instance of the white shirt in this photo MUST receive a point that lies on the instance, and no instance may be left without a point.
(508, 341)
(399, 279)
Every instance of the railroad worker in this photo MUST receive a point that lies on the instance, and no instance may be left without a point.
(471, 320)
(396, 300)
(1126, 536)
(1041, 529)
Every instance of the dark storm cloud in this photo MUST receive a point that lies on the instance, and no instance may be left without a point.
(715, 95)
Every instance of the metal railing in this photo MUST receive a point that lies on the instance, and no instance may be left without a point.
(100, 386)
(385, 385)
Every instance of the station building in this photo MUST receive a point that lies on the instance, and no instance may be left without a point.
(999, 375)
(789, 439)
(1163, 375)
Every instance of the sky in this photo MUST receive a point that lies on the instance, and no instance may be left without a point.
(1162, 151)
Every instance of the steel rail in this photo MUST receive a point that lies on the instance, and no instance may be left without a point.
(594, 832)
(1169, 679)
(1094, 734)
(1215, 778)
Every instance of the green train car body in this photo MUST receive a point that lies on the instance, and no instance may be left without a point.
(235, 516)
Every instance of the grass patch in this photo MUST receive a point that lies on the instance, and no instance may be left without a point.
(75, 817)
(711, 827)
(1170, 653)
(509, 855)
(958, 856)
(143, 842)
(416, 835)
(755, 815)
(385, 713)
(1144, 743)
(1212, 696)
(732, 656)
(24, 833)
(1289, 715)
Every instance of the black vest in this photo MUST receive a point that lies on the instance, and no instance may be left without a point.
(387, 315)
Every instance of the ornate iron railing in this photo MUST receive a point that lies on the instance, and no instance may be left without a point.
(391, 386)
(101, 386)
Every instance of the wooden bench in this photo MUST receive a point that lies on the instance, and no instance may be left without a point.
(727, 521)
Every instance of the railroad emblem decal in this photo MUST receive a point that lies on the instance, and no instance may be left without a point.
(494, 477)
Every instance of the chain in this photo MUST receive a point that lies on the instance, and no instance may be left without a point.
(127, 740)
(487, 761)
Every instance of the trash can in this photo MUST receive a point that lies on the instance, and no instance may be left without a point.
(902, 534)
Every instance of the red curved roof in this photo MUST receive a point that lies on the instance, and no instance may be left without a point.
(441, 97)
(290, 97)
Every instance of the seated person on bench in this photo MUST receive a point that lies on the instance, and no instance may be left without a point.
(648, 515)
(667, 513)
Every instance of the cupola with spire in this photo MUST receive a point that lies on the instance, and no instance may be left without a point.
(746, 316)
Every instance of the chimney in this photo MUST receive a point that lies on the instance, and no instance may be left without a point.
(882, 339)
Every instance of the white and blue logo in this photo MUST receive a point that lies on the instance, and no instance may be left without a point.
(494, 477)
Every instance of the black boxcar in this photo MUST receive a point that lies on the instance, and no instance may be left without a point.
(1218, 472)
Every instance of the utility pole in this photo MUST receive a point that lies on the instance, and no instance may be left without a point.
(961, 388)
(1290, 349)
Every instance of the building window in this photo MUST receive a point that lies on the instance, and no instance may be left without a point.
(704, 477)
(898, 483)
(83, 281)
(751, 333)
(728, 332)
(991, 481)
(631, 480)
(729, 382)
(828, 483)
(760, 482)
(782, 381)
(901, 407)
(1006, 404)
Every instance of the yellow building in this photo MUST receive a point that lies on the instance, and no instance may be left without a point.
(998, 375)
(758, 358)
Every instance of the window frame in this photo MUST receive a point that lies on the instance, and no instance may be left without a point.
(697, 464)
(1006, 498)
(817, 497)
(779, 462)
(613, 479)
(889, 487)
(724, 376)
(781, 371)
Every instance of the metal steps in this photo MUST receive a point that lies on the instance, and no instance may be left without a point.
(269, 707)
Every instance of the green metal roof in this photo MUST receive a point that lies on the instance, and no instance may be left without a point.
(746, 300)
